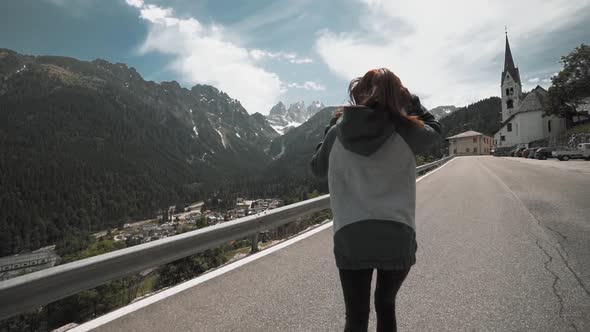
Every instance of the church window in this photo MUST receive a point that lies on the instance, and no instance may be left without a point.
(509, 104)
(511, 90)
(549, 125)
(502, 138)
(509, 127)
(507, 92)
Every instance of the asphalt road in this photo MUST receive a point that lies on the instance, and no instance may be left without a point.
(504, 245)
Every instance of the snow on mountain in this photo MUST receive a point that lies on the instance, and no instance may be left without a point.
(442, 111)
(282, 119)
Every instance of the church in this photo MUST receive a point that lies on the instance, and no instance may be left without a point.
(522, 123)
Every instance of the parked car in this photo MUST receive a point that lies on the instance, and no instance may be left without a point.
(525, 152)
(518, 152)
(544, 153)
(582, 151)
(532, 153)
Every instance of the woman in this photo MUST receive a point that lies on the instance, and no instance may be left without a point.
(368, 157)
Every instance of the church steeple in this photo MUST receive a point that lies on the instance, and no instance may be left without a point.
(510, 85)
(509, 66)
(508, 61)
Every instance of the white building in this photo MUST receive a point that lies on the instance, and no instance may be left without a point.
(523, 120)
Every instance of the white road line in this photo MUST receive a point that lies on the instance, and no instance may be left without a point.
(210, 275)
(436, 170)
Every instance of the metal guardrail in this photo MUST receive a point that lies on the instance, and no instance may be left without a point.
(23, 293)
(427, 167)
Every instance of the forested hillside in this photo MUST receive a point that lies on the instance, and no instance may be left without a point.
(482, 116)
(90, 145)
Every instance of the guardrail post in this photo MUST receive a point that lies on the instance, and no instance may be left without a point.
(254, 240)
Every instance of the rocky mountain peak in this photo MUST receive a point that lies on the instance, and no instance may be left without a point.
(314, 108)
(283, 118)
(278, 109)
(442, 111)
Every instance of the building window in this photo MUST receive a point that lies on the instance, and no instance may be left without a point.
(474, 150)
(475, 140)
(509, 127)
(454, 151)
(511, 90)
(549, 125)
(467, 150)
(507, 92)
(502, 138)
(509, 104)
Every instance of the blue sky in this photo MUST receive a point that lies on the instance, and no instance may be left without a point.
(260, 52)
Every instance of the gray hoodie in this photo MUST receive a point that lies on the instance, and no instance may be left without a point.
(371, 171)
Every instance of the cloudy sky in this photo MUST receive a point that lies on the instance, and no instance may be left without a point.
(448, 52)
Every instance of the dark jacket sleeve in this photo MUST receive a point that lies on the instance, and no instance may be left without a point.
(321, 158)
(421, 139)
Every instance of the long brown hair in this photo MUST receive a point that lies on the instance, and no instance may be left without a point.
(383, 91)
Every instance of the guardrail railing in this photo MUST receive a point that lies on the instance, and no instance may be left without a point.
(38, 288)
(427, 167)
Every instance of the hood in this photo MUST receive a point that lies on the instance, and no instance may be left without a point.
(363, 130)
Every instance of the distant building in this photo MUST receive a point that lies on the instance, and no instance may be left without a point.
(523, 120)
(470, 143)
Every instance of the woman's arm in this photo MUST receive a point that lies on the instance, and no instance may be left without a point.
(321, 158)
(421, 139)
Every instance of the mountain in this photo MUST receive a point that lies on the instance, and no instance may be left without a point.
(282, 119)
(442, 111)
(292, 152)
(482, 116)
(89, 145)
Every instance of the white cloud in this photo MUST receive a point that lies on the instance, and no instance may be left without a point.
(534, 80)
(135, 3)
(257, 55)
(308, 85)
(202, 55)
(300, 61)
(439, 52)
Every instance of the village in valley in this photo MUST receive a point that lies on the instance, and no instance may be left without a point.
(176, 221)
(168, 223)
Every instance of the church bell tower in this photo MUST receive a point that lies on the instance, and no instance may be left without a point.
(511, 86)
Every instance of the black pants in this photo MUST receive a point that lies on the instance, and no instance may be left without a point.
(356, 286)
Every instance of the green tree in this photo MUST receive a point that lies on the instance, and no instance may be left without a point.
(571, 85)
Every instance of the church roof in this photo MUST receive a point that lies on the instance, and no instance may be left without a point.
(536, 100)
(509, 64)
(468, 133)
